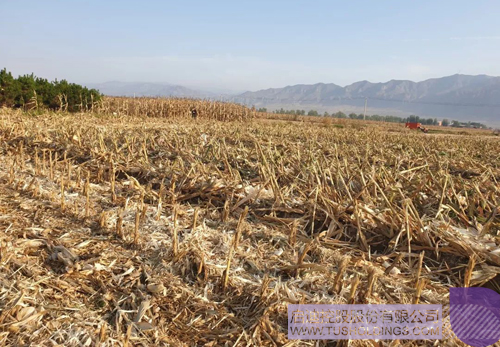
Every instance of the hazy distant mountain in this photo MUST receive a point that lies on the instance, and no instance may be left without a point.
(460, 97)
(116, 88)
(457, 97)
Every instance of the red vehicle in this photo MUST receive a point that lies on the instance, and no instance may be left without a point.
(416, 126)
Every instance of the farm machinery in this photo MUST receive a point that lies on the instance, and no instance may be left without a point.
(417, 126)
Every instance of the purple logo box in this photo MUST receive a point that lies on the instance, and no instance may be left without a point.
(361, 322)
(475, 315)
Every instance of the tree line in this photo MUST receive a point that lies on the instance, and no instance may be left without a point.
(379, 118)
(32, 93)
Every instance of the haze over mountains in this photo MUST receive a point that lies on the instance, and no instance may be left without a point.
(457, 97)
(116, 88)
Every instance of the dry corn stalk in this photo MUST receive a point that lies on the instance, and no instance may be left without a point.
(233, 247)
(175, 240)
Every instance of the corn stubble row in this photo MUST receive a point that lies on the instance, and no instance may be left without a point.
(121, 231)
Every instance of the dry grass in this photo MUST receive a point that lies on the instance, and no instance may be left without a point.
(167, 231)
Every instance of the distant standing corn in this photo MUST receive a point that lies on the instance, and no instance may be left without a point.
(174, 108)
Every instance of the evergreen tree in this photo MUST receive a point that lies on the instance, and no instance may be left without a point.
(28, 91)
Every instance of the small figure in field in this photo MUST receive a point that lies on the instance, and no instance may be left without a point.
(194, 113)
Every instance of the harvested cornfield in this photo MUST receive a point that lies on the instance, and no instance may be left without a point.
(120, 231)
(173, 108)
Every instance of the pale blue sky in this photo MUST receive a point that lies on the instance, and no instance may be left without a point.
(248, 45)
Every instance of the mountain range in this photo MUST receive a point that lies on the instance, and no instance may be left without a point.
(457, 97)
